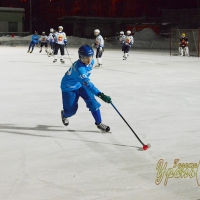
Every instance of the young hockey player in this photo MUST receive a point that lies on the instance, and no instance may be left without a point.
(51, 42)
(183, 48)
(76, 83)
(43, 42)
(60, 42)
(122, 39)
(34, 40)
(127, 43)
(99, 44)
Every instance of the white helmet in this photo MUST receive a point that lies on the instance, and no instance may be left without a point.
(96, 32)
(51, 30)
(60, 27)
(121, 32)
(43, 33)
(128, 32)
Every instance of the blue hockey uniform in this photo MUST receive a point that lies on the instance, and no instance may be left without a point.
(34, 40)
(76, 83)
(77, 79)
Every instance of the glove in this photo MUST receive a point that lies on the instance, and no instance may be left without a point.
(105, 98)
(65, 41)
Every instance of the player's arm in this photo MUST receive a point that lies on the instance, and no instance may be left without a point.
(65, 39)
(85, 81)
(90, 86)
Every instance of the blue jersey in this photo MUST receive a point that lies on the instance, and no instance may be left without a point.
(35, 39)
(78, 76)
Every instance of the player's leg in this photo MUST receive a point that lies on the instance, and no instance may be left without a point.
(187, 51)
(56, 52)
(41, 45)
(30, 45)
(70, 105)
(99, 58)
(46, 49)
(126, 50)
(33, 45)
(62, 52)
(94, 106)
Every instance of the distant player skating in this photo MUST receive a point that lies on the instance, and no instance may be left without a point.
(43, 42)
(183, 45)
(51, 42)
(76, 83)
(99, 45)
(60, 42)
(127, 43)
(122, 39)
(34, 41)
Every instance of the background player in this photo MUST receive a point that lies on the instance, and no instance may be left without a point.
(34, 40)
(99, 44)
(128, 42)
(183, 48)
(43, 42)
(60, 42)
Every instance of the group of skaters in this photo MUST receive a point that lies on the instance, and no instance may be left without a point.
(126, 42)
(55, 41)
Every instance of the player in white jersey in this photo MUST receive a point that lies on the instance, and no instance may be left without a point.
(43, 42)
(99, 44)
(122, 39)
(60, 42)
(51, 42)
(127, 43)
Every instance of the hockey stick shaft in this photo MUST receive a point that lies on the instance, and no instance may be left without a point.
(127, 124)
(68, 55)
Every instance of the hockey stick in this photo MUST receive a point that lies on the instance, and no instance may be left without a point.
(68, 55)
(145, 147)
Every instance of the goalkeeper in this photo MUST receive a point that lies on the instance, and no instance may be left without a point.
(183, 48)
(76, 83)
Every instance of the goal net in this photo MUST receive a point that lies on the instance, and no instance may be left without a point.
(193, 36)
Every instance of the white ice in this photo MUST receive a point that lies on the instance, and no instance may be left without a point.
(40, 159)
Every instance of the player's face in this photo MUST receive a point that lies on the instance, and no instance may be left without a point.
(87, 60)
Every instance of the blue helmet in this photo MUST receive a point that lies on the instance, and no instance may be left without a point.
(85, 51)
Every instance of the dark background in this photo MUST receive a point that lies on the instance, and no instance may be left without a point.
(46, 13)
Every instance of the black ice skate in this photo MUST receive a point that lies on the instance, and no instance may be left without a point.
(62, 61)
(28, 51)
(55, 60)
(98, 66)
(103, 127)
(124, 58)
(65, 120)
(31, 51)
(40, 51)
(49, 54)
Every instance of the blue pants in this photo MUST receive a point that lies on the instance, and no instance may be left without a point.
(32, 44)
(70, 101)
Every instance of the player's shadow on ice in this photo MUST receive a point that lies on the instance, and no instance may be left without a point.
(12, 129)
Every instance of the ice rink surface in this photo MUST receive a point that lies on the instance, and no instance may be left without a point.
(158, 95)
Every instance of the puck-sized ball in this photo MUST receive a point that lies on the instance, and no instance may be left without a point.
(145, 147)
